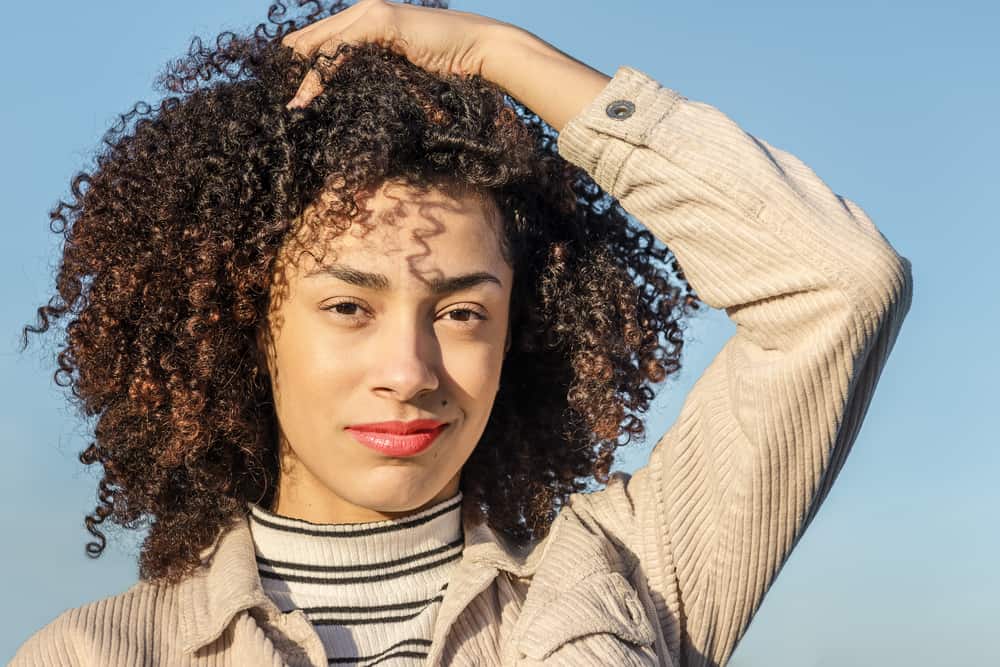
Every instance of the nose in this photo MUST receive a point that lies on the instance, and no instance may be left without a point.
(407, 357)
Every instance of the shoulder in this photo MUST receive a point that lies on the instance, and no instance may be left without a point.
(590, 534)
(102, 631)
(612, 511)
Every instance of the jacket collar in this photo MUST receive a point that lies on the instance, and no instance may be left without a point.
(227, 581)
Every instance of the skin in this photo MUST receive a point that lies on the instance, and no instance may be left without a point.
(340, 354)
(400, 354)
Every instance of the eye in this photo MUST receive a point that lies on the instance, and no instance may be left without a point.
(339, 307)
(466, 316)
(350, 310)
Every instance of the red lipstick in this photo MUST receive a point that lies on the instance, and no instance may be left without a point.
(395, 438)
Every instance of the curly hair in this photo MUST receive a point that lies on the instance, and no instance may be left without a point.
(170, 240)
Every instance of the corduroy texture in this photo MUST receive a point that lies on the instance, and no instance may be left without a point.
(667, 566)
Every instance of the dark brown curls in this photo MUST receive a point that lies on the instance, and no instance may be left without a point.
(169, 242)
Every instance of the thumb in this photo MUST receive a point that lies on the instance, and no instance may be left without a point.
(311, 86)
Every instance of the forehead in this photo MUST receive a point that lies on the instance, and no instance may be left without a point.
(407, 233)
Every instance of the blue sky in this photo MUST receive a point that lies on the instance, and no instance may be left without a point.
(890, 103)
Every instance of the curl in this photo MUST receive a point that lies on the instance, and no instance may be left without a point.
(166, 267)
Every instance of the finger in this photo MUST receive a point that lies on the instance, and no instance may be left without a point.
(292, 38)
(308, 45)
(311, 86)
(325, 24)
(318, 30)
(312, 37)
(312, 83)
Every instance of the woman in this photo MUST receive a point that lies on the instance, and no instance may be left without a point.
(354, 355)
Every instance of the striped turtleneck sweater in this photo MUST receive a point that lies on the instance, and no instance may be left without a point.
(371, 590)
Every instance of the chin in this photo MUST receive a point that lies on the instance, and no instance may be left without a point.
(396, 488)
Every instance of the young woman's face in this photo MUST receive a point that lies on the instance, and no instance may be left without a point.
(371, 326)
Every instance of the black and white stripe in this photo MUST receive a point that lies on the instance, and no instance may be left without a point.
(331, 575)
(408, 648)
(371, 590)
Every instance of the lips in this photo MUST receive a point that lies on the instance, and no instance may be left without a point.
(412, 438)
(398, 427)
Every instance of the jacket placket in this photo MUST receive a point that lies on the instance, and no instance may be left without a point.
(468, 581)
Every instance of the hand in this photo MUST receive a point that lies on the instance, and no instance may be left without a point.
(441, 41)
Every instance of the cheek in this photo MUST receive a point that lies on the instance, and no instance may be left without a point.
(310, 367)
(475, 370)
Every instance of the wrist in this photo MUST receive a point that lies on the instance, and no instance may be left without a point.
(553, 84)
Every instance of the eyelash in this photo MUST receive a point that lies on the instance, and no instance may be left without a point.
(465, 323)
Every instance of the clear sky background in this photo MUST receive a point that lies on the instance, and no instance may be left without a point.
(893, 104)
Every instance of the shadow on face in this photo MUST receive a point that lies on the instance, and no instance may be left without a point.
(400, 313)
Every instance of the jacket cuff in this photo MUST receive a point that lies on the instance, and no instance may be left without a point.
(628, 107)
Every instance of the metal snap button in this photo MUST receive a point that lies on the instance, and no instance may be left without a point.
(620, 109)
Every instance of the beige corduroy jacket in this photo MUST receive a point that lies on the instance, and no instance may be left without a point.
(666, 566)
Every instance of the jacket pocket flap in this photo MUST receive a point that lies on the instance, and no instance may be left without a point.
(603, 603)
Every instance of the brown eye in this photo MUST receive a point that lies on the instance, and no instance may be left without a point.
(350, 310)
(342, 308)
(466, 316)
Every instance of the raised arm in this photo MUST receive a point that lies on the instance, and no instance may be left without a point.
(818, 296)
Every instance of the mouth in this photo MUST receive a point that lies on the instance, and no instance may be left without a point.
(415, 439)
(398, 427)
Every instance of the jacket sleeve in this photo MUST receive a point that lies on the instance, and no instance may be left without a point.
(55, 645)
(817, 295)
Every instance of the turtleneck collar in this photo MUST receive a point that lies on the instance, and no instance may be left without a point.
(357, 562)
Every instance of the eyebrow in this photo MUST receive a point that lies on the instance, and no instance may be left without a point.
(378, 281)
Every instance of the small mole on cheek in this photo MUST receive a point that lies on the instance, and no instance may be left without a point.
(444, 402)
